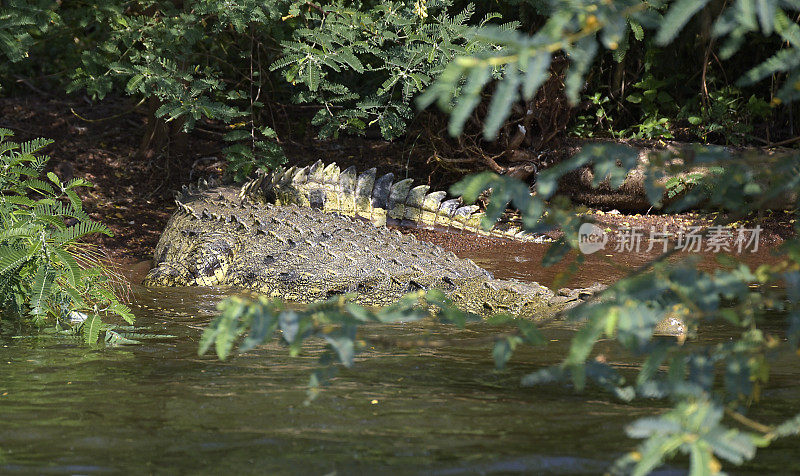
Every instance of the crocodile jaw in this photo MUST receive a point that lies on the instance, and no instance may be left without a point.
(165, 274)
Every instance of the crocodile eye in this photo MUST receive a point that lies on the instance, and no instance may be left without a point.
(210, 265)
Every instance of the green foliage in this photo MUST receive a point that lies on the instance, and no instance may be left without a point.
(576, 30)
(20, 18)
(657, 106)
(600, 118)
(679, 184)
(369, 74)
(358, 64)
(336, 322)
(196, 61)
(46, 273)
(630, 309)
(244, 158)
(726, 116)
(693, 428)
(764, 16)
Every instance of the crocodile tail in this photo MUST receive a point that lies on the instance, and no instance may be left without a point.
(380, 200)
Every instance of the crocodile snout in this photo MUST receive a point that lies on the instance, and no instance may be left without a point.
(166, 275)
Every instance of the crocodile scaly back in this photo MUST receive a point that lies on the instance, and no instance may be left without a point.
(380, 200)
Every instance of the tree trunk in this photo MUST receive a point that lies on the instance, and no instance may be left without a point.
(160, 136)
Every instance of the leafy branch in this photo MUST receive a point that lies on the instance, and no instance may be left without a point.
(45, 269)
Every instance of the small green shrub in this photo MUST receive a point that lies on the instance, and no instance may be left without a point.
(47, 275)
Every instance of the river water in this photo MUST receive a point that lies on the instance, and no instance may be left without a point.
(158, 408)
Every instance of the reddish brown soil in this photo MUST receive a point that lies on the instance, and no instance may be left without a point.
(777, 226)
(134, 197)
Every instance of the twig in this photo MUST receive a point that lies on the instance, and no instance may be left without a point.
(115, 116)
(27, 83)
(747, 421)
(785, 142)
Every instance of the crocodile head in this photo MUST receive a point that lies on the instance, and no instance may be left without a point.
(203, 260)
(494, 296)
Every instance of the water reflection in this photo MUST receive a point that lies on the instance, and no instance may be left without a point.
(160, 408)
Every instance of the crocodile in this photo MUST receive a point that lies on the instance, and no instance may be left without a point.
(299, 236)
(302, 254)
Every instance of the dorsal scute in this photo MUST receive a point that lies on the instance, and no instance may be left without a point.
(414, 203)
(285, 176)
(397, 199)
(381, 190)
(433, 201)
(315, 172)
(363, 193)
(291, 185)
(330, 174)
(449, 207)
(368, 196)
(347, 190)
(462, 215)
(347, 179)
(299, 176)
